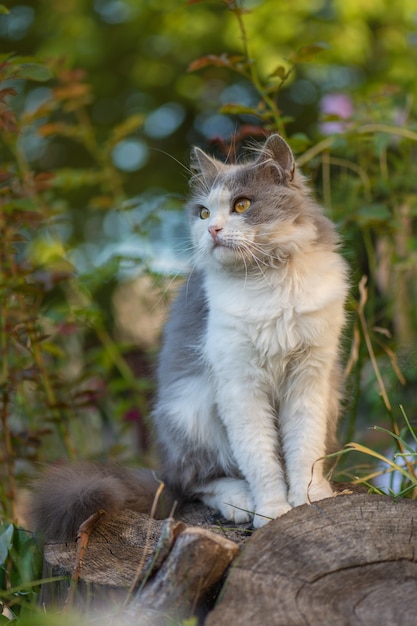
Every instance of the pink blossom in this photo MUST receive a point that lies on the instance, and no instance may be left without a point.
(335, 104)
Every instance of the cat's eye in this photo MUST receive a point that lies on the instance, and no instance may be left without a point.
(204, 213)
(241, 205)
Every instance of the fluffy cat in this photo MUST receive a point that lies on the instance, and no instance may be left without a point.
(249, 375)
(248, 378)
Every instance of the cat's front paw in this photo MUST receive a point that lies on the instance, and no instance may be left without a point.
(237, 506)
(316, 491)
(231, 497)
(320, 491)
(239, 513)
(266, 513)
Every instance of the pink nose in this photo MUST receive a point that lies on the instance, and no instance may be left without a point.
(214, 230)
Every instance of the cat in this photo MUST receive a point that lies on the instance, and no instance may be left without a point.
(249, 376)
(249, 370)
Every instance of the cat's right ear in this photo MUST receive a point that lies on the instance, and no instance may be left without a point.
(276, 150)
(202, 163)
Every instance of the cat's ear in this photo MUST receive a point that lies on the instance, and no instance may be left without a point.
(202, 163)
(276, 150)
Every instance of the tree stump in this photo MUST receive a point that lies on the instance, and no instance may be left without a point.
(349, 560)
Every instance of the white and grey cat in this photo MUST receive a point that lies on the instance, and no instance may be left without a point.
(248, 379)
(249, 375)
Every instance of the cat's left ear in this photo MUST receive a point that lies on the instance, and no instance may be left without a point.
(202, 163)
(277, 151)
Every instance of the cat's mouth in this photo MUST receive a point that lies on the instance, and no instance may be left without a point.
(221, 242)
(223, 245)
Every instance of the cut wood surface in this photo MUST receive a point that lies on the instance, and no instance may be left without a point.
(349, 560)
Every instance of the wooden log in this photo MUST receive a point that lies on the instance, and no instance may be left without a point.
(122, 551)
(119, 546)
(193, 568)
(348, 560)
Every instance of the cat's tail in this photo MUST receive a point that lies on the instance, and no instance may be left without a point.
(65, 496)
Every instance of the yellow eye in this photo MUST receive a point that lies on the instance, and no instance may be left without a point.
(204, 213)
(241, 205)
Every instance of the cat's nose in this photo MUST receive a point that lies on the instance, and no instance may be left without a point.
(214, 230)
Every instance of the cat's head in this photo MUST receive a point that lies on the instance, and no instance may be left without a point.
(248, 216)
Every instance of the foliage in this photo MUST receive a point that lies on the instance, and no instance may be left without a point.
(48, 389)
(99, 104)
(20, 569)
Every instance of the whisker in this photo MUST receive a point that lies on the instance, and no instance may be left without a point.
(183, 247)
(258, 263)
(265, 250)
(244, 263)
(164, 291)
(185, 167)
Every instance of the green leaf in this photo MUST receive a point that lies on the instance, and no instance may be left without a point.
(53, 349)
(237, 109)
(73, 178)
(4, 10)
(6, 542)
(299, 142)
(234, 62)
(376, 213)
(306, 53)
(20, 204)
(279, 72)
(27, 558)
(127, 127)
(34, 71)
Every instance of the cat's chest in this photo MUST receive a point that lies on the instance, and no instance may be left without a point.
(264, 318)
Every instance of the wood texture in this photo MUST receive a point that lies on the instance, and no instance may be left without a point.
(119, 548)
(349, 560)
(120, 553)
(197, 562)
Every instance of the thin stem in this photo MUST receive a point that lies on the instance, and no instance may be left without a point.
(363, 292)
(116, 357)
(252, 75)
(100, 156)
(327, 192)
(8, 458)
(390, 130)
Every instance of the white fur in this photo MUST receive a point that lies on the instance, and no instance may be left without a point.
(231, 496)
(271, 343)
(191, 407)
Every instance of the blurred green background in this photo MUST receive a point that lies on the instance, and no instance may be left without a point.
(109, 96)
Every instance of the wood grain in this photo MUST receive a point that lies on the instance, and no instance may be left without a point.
(349, 560)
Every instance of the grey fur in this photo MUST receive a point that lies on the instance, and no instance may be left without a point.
(184, 463)
(65, 496)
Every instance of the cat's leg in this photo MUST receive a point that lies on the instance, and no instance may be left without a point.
(250, 422)
(304, 419)
(230, 496)
(194, 445)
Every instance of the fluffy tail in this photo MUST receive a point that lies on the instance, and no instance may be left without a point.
(65, 496)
